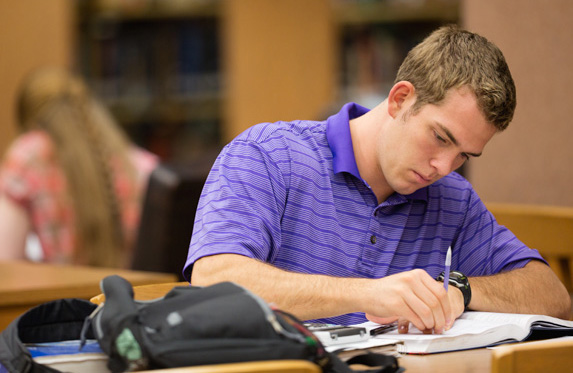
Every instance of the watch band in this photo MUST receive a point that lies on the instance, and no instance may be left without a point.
(460, 281)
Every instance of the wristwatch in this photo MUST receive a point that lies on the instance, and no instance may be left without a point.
(460, 281)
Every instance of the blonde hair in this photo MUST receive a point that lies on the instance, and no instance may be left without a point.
(86, 140)
(454, 58)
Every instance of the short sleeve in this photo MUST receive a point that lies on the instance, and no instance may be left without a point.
(487, 247)
(239, 211)
(31, 176)
(24, 163)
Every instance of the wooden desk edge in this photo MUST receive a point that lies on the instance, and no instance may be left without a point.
(80, 290)
(146, 292)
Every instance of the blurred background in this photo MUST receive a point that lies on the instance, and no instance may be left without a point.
(184, 77)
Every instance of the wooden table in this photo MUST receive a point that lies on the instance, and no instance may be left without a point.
(26, 284)
(478, 360)
(469, 361)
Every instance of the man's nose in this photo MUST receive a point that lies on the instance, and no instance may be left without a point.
(445, 162)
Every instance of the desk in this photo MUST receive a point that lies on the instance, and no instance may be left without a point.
(478, 360)
(26, 284)
(469, 361)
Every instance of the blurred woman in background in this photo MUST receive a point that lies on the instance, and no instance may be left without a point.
(71, 177)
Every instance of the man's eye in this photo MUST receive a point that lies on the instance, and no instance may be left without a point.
(439, 138)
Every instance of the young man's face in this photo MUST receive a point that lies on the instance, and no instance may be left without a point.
(421, 148)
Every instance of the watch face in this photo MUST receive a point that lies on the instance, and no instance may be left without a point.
(460, 281)
(460, 278)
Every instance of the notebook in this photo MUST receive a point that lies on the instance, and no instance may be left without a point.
(480, 329)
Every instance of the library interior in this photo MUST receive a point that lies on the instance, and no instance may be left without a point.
(184, 77)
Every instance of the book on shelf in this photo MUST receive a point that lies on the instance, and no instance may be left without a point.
(480, 329)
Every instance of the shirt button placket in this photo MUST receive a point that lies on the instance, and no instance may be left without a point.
(373, 239)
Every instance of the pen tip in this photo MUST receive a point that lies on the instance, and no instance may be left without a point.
(449, 256)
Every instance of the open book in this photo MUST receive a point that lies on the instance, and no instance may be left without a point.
(480, 329)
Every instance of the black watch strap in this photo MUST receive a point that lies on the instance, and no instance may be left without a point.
(460, 281)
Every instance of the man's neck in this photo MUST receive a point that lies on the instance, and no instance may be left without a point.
(365, 132)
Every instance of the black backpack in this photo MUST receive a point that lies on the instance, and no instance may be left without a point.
(222, 323)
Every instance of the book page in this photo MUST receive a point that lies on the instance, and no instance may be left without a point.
(467, 332)
(473, 330)
(522, 320)
(463, 325)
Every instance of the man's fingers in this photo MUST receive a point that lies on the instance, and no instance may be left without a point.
(417, 299)
(403, 326)
(429, 306)
(381, 320)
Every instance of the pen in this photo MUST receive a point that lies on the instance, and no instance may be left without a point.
(383, 329)
(447, 270)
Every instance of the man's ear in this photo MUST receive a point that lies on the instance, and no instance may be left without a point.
(401, 96)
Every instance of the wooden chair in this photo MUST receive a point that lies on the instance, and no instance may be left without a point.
(167, 218)
(554, 355)
(549, 229)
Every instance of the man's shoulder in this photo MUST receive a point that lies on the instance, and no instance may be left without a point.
(297, 130)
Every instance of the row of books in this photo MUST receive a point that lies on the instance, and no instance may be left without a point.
(170, 58)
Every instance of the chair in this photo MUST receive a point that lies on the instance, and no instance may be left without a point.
(167, 218)
(549, 229)
(554, 355)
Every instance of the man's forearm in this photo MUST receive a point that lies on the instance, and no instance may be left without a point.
(532, 289)
(412, 295)
(306, 296)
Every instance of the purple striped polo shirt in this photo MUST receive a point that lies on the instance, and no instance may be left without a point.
(289, 193)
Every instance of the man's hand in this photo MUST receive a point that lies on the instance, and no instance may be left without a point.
(414, 297)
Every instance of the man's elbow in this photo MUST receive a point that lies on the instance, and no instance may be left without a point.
(559, 304)
(564, 309)
(204, 272)
(212, 269)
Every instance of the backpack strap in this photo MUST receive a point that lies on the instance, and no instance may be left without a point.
(115, 326)
(54, 321)
(385, 363)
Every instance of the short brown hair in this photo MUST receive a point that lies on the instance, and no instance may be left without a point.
(453, 58)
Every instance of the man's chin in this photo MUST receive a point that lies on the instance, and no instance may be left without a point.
(409, 189)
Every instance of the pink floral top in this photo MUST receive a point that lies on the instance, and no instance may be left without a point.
(31, 176)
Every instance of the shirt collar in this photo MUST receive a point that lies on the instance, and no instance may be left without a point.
(339, 139)
(340, 143)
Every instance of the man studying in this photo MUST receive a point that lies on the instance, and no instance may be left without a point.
(352, 217)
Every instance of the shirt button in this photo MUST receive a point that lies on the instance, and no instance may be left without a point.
(373, 239)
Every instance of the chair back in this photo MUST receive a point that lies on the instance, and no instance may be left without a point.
(549, 229)
(552, 355)
(167, 218)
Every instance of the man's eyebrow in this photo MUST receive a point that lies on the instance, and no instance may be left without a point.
(454, 140)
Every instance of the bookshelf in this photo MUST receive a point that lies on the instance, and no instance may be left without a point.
(185, 76)
(376, 35)
(156, 65)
